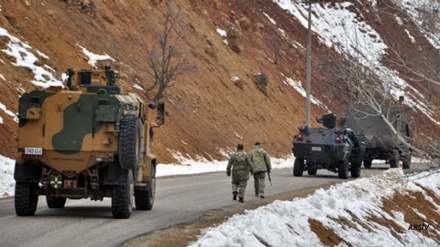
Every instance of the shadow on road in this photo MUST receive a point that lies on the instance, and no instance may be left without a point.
(86, 212)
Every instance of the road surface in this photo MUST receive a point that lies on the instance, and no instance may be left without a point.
(179, 199)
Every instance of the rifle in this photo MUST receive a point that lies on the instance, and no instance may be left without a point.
(268, 176)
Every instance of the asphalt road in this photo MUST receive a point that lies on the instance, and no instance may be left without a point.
(179, 199)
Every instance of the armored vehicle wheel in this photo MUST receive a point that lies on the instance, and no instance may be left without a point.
(406, 162)
(367, 163)
(122, 199)
(343, 169)
(355, 166)
(25, 199)
(312, 171)
(55, 202)
(394, 160)
(129, 142)
(355, 169)
(144, 199)
(298, 167)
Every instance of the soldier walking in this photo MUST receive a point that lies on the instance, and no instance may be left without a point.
(261, 164)
(241, 166)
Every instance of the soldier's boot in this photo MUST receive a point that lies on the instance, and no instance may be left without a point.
(234, 195)
(261, 195)
(241, 199)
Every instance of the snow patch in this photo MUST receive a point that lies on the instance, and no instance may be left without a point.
(25, 57)
(94, 58)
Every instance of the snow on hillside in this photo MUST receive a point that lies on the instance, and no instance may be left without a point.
(289, 223)
(334, 24)
(411, 8)
(7, 182)
(26, 56)
(8, 112)
(347, 33)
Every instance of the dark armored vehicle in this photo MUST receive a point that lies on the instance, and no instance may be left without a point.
(381, 142)
(337, 150)
(89, 139)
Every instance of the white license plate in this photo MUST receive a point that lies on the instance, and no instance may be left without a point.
(33, 151)
(316, 149)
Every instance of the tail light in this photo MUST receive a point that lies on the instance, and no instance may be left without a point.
(338, 139)
(299, 137)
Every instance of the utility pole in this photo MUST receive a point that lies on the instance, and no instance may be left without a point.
(309, 63)
(309, 57)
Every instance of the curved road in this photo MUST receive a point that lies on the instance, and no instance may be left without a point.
(179, 199)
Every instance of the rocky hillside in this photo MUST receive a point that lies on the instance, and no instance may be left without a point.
(220, 104)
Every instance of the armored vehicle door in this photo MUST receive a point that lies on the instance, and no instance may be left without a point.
(69, 124)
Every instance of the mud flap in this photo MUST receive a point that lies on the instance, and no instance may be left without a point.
(115, 175)
(26, 172)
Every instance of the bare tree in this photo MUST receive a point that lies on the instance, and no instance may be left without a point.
(362, 80)
(415, 65)
(361, 85)
(428, 14)
(168, 60)
(420, 67)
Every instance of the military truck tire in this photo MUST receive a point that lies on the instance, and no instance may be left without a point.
(367, 163)
(406, 162)
(298, 167)
(343, 169)
(129, 142)
(25, 199)
(312, 171)
(355, 166)
(122, 199)
(394, 162)
(144, 199)
(55, 202)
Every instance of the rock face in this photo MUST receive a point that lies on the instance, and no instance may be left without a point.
(261, 81)
(156, 2)
(245, 23)
(235, 39)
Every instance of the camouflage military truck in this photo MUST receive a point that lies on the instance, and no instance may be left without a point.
(337, 150)
(380, 141)
(86, 140)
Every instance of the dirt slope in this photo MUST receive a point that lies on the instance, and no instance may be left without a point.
(207, 111)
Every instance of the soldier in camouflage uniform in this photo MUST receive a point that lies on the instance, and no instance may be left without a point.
(241, 166)
(261, 164)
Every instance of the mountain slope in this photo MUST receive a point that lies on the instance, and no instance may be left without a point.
(209, 112)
